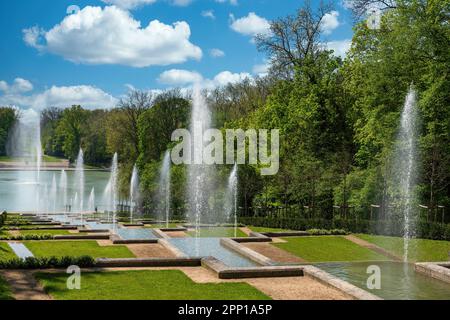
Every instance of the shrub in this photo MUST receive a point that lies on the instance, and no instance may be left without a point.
(27, 237)
(322, 232)
(48, 262)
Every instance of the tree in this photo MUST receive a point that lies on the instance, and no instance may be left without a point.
(294, 41)
(8, 117)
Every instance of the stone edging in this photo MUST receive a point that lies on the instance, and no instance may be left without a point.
(436, 270)
(140, 263)
(177, 252)
(246, 252)
(343, 286)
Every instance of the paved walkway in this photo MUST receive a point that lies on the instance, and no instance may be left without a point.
(24, 286)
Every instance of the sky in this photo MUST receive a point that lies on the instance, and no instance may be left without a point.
(92, 52)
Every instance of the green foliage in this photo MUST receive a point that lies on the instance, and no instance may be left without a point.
(47, 262)
(8, 116)
(27, 237)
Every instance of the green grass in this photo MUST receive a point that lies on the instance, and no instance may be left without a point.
(145, 285)
(328, 249)
(41, 232)
(5, 291)
(263, 229)
(6, 252)
(163, 226)
(77, 249)
(419, 249)
(218, 233)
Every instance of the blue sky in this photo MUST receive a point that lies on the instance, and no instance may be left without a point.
(47, 60)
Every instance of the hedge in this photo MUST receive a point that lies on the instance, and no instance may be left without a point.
(47, 263)
(27, 237)
(425, 230)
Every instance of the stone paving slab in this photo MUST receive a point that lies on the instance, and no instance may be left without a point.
(436, 270)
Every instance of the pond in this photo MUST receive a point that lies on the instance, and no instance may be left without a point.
(18, 188)
(399, 281)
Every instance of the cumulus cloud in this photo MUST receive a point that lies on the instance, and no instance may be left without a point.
(261, 69)
(232, 2)
(87, 96)
(177, 77)
(129, 4)
(111, 35)
(339, 47)
(216, 53)
(330, 22)
(250, 25)
(180, 77)
(19, 85)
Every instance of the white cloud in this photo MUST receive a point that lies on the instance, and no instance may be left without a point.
(330, 22)
(181, 3)
(129, 4)
(208, 14)
(261, 69)
(251, 25)
(178, 77)
(232, 2)
(112, 36)
(19, 85)
(339, 47)
(216, 53)
(87, 96)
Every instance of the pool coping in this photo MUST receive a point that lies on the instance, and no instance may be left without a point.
(435, 270)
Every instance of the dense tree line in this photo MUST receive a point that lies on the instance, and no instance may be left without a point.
(338, 117)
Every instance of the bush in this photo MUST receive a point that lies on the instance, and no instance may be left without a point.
(322, 232)
(48, 263)
(425, 230)
(3, 217)
(27, 237)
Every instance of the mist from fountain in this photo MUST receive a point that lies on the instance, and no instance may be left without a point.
(404, 173)
(63, 190)
(163, 197)
(135, 194)
(91, 201)
(53, 195)
(24, 142)
(231, 204)
(80, 181)
(200, 175)
(110, 195)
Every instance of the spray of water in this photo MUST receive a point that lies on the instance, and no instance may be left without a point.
(135, 194)
(63, 189)
(232, 198)
(163, 197)
(110, 194)
(405, 169)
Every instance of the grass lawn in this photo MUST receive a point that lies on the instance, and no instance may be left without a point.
(41, 232)
(263, 229)
(420, 249)
(328, 249)
(6, 252)
(5, 292)
(218, 233)
(163, 226)
(76, 249)
(145, 285)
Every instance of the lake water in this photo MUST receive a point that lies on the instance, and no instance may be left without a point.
(18, 188)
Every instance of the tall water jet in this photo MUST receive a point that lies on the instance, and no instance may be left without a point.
(135, 194)
(91, 202)
(199, 174)
(163, 197)
(110, 194)
(53, 198)
(79, 180)
(231, 205)
(24, 143)
(63, 190)
(404, 178)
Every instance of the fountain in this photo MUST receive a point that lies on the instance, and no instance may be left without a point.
(91, 202)
(24, 143)
(199, 174)
(79, 181)
(110, 194)
(63, 189)
(232, 197)
(163, 198)
(53, 199)
(135, 194)
(405, 169)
